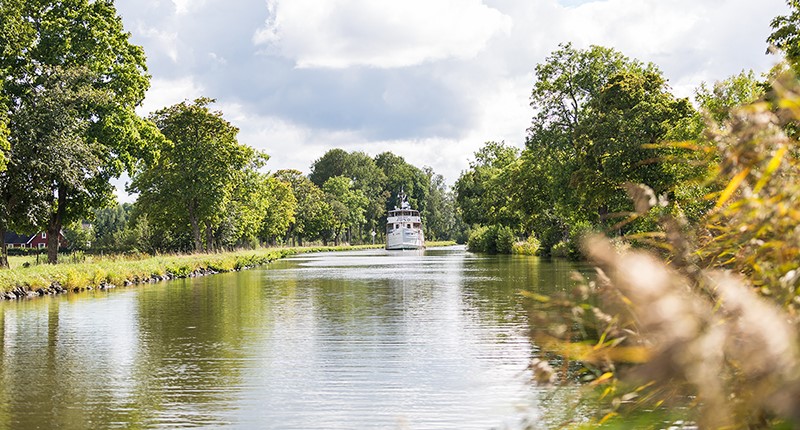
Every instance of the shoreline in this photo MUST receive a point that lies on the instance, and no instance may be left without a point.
(119, 271)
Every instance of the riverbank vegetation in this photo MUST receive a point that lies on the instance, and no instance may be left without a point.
(25, 279)
(692, 317)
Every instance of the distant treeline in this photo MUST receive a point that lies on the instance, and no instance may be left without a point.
(344, 199)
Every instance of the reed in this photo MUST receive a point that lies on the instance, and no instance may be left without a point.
(703, 328)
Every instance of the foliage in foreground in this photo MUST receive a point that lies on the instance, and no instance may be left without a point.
(706, 329)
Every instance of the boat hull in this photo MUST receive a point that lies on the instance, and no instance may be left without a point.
(405, 239)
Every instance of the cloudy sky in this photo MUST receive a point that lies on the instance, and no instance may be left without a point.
(430, 80)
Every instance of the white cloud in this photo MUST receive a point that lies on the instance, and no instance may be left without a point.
(183, 7)
(468, 64)
(691, 41)
(293, 146)
(167, 92)
(164, 42)
(383, 34)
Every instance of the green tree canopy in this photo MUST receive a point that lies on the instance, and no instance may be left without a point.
(482, 191)
(192, 184)
(786, 34)
(281, 210)
(79, 51)
(633, 110)
(314, 216)
(600, 121)
(363, 171)
(738, 90)
(400, 175)
(349, 204)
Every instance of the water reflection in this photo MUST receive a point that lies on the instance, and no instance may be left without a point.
(371, 339)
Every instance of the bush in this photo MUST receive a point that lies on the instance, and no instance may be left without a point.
(577, 233)
(495, 239)
(561, 249)
(530, 246)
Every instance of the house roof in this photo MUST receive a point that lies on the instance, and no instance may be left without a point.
(12, 237)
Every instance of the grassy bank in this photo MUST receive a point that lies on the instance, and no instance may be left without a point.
(111, 271)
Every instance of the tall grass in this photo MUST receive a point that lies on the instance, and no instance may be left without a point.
(704, 327)
(102, 272)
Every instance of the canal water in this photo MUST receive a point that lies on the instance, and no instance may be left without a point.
(348, 340)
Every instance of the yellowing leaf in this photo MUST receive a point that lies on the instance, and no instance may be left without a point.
(733, 185)
(773, 165)
(608, 417)
(604, 377)
(538, 297)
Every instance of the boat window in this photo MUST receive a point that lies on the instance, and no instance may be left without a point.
(408, 225)
(397, 226)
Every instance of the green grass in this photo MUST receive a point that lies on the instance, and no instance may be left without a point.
(92, 271)
(116, 270)
(441, 243)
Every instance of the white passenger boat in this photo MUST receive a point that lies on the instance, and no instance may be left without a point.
(404, 227)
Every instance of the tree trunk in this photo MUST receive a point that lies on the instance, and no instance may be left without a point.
(54, 226)
(209, 239)
(198, 244)
(3, 249)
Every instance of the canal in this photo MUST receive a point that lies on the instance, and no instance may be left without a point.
(347, 340)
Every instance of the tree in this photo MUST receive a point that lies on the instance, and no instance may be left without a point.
(281, 210)
(245, 214)
(403, 176)
(79, 236)
(365, 174)
(349, 205)
(565, 83)
(633, 110)
(108, 225)
(314, 214)
(192, 183)
(733, 92)
(482, 190)
(50, 140)
(5, 145)
(786, 34)
(335, 162)
(78, 50)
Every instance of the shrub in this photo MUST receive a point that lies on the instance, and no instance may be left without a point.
(495, 239)
(577, 233)
(561, 249)
(529, 246)
(477, 239)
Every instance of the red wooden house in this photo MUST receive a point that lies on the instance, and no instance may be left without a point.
(38, 240)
